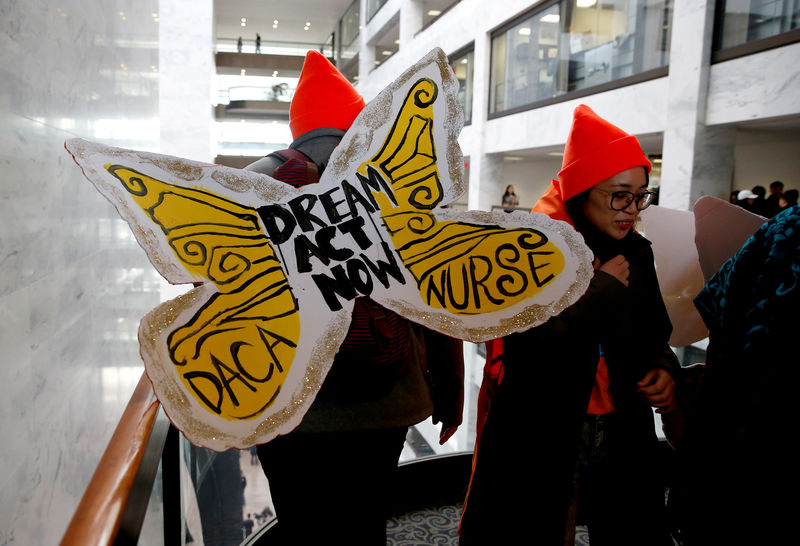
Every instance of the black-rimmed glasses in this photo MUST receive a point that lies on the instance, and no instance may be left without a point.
(621, 200)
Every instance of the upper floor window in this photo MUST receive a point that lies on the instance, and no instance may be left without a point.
(463, 63)
(373, 6)
(571, 45)
(433, 9)
(387, 40)
(347, 49)
(743, 21)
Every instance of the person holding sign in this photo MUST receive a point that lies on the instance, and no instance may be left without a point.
(580, 387)
(331, 478)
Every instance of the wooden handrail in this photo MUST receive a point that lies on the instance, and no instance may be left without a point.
(97, 518)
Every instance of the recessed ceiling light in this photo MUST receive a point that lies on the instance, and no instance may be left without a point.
(244, 71)
(434, 12)
(244, 19)
(525, 31)
(463, 61)
(244, 24)
(275, 74)
(586, 3)
(275, 22)
(387, 52)
(513, 158)
(550, 18)
(556, 154)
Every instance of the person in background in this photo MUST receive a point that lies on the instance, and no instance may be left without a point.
(569, 436)
(746, 199)
(773, 206)
(258, 42)
(759, 204)
(331, 479)
(509, 199)
(788, 199)
(239, 45)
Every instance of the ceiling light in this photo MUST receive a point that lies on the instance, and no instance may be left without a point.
(586, 3)
(308, 23)
(244, 19)
(556, 154)
(434, 12)
(244, 24)
(525, 31)
(397, 42)
(513, 158)
(275, 74)
(244, 72)
(155, 15)
(463, 61)
(275, 22)
(550, 18)
(274, 26)
(387, 52)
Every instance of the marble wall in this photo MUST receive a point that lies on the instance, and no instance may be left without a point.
(73, 281)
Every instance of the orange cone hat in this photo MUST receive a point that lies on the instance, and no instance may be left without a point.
(324, 98)
(595, 151)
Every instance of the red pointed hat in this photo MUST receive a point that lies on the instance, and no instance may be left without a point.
(596, 150)
(324, 98)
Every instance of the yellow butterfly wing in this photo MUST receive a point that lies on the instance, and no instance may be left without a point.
(235, 352)
(461, 267)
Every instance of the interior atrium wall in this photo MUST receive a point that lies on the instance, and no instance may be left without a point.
(73, 281)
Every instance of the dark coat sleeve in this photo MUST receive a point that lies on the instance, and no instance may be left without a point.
(642, 330)
(445, 363)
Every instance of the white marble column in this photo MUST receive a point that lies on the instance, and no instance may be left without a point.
(410, 20)
(697, 159)
(484, 168)
(186, 68)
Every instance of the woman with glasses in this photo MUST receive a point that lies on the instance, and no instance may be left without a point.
(569, 436)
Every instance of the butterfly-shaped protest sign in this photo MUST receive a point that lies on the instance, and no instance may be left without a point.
(239, 359)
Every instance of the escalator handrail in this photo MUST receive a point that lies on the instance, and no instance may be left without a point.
(97, 519)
